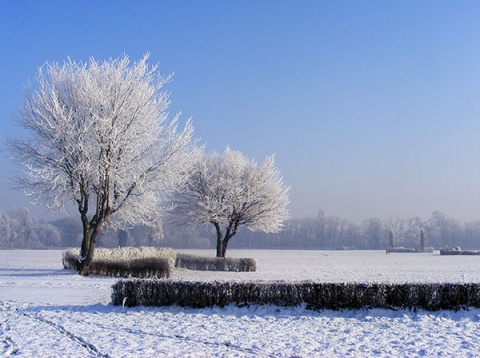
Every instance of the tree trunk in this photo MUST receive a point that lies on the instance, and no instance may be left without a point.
(220, 250)
(90, 234)
(224, 248)
(83, 268)
(222, 241)
(86, 237)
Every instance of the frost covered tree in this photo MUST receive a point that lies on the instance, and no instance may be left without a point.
(19, 229)
(391, 238)
(228, 190)
(373, 231)
(98, 134)
(423, 239)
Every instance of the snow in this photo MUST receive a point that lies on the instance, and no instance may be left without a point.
(50, 312)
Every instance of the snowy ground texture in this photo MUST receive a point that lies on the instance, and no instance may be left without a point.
(46, 311)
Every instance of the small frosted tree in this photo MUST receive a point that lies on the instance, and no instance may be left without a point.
(391, 238)
(423, 239)
(99, 136)
(228, 190)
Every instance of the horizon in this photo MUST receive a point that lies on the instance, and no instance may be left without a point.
(371, 109)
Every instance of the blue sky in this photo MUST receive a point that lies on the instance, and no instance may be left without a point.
(371, 107)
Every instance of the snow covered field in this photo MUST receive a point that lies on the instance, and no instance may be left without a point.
(46, 311)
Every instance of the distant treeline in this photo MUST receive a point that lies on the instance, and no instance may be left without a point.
(19, 229)
(324, 232)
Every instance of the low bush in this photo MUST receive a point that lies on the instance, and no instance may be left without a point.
(141, 268)
(431, 297)
(140, 262)
(201, 263)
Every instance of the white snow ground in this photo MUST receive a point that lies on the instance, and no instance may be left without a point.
(46, 311)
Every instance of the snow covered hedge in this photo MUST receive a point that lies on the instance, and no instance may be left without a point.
(315, 295)
(141, 268)
(140, 262)
(200, 263)
(157, 262)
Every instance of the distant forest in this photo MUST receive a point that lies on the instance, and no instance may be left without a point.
(20, 230)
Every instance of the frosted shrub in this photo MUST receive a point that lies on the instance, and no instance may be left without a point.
(127, 253)
(200, 263)
(141, 268)
(127, 261)
(315, 295)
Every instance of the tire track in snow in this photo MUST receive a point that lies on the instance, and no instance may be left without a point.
(89, 347)
(179, 337)
(250, 351)
(9, 348)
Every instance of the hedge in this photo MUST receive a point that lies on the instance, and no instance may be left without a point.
(201, 263)
(429, 296)
(141, 268)
(142, 262)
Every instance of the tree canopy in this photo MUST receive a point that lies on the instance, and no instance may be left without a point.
(228, 190)
(99, 135)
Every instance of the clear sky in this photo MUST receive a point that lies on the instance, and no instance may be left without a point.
(371, 107)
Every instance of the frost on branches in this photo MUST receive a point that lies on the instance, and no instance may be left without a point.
(99, 135)
(228, 190)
